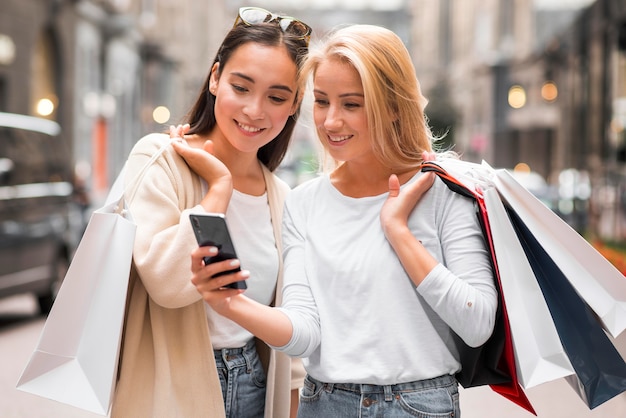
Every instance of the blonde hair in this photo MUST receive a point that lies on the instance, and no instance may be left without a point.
(393, 99)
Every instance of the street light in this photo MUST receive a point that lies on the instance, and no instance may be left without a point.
(517, 97)
(161, 114)
(7, 50)
(549, 91)
(45, 107)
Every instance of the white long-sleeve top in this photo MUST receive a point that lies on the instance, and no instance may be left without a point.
(356, 315)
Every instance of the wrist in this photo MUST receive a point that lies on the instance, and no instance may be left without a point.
(222, 186)
(218, 196)
(397, 233)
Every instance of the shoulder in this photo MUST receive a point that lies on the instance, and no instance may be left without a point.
(305, 197)
(156, 146)
(307, 190)
(310, 185)
(150, 143)
(155, 150)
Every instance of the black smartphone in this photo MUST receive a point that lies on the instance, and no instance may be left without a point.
(211, 230)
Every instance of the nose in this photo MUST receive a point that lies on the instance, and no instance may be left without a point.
(332, 118)
(254, 108)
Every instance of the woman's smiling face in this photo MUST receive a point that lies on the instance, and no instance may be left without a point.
(339, 111)
(255, 94)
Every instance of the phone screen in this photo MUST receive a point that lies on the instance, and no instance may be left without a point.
(211, 230)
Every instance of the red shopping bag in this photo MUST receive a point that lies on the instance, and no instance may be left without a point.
(493, 363)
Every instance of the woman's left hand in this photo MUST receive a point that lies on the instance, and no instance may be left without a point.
(200, 157)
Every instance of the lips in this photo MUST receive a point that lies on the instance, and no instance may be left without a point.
(248, 128)
(339, 138)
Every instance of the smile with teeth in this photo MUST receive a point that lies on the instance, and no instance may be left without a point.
(338, 138)
(248, 128)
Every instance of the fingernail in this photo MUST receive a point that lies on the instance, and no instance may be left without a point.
(234, 263)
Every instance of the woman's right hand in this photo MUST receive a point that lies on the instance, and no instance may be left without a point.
(201, 160)
(267, 323)
(213, 289)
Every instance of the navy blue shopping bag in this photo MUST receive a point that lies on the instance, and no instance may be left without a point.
(600, 370)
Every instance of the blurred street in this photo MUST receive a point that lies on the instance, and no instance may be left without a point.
(20, 326)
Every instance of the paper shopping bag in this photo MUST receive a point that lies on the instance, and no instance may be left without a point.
(540, 356)
(76, 359)
(600, 370)
(493, 363)
(596, 280)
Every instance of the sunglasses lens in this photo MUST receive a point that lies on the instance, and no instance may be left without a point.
(254, 16)
(294, 26)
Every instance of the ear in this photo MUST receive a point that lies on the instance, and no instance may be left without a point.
(213, 81)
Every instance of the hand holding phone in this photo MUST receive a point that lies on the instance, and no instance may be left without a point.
(211, 230)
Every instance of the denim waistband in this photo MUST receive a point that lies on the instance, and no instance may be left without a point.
(231, 358)
(436, 382)
(225, 352)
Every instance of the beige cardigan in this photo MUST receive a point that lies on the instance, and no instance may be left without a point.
(167, 367)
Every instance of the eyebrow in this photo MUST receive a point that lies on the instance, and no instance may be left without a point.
(251, 80)
(341, 95)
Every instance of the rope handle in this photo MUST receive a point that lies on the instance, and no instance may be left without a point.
(135, 182)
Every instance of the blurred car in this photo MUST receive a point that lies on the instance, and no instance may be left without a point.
(36, 173)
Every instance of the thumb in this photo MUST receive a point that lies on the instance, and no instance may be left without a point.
(394, 186)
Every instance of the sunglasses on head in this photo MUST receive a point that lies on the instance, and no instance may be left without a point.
(255, 15)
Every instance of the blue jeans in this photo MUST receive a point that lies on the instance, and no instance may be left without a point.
(243, 381)
(432, 398)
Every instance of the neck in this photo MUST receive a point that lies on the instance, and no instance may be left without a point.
(362, 180)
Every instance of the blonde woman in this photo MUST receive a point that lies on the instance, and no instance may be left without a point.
(382, 263)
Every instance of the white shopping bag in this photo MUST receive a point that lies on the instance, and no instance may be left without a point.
(76, 359)
(596, 280)
(539, 354)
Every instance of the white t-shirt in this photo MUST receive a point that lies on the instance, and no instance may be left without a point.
(357, 317)
(249, 222)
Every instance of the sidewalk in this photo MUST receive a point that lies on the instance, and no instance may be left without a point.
(551, 400)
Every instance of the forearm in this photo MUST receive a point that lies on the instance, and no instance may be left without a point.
(415, 259)
(265, 322)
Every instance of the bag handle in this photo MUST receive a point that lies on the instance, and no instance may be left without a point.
(134, 184)
(453, 184)
(118, 190)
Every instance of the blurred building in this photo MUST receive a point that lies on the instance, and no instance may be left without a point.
(109, 71)
(541, 83)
